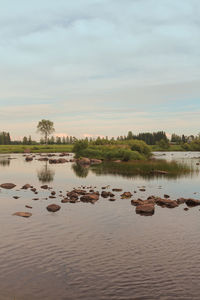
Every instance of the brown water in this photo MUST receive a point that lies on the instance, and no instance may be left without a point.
(101, 251)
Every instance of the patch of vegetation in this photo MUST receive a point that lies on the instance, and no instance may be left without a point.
(125, 151)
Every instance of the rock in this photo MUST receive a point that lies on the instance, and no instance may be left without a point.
(26, 186)
(84, 161)
(117, 161)
(105, 194)
(181, 200)
(116, 190)
(22, 214)
(192, 202)
(72, 195)
(93, 197)
(166, 203)
(112, 199)
(33, 190)
(58, 161)
(53, 207)
(52, 197)
(15, 197)
(63, 154)
(186, 208)
(94, 161)
(53, 193)
(145, 209)
(7, 186)
(65, 200)
(45, 187)
(35, 199)
(166, 196)
(142, 190)
(126, 195)
(28, 158)
(28, 206)
(43, 159)
(79, 192)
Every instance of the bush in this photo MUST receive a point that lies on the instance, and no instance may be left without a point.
(79, 146)
(140, 147)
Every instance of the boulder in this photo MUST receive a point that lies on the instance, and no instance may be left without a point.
(92, 197)
(145, 209)
(166, 203)
(7, 186)
(181, 200)
(53, 207)
(22, 214)
(192, 202)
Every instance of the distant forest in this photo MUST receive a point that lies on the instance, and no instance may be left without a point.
(149, 138)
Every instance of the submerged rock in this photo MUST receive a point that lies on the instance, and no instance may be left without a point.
(22, 214)
(7, 186)
(117, 190)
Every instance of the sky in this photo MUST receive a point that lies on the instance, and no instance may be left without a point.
(100, 67)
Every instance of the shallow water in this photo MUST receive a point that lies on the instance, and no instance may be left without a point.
(100, 251)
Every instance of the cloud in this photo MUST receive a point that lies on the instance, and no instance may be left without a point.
(108, 64)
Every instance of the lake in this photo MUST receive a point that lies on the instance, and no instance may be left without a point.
(97, 251)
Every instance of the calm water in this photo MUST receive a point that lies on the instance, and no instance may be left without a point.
(101, 251)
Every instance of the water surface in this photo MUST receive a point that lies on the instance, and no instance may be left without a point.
(100, 251)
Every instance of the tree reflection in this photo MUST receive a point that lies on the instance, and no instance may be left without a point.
(80, 171)
(4, 162)
(45, 174)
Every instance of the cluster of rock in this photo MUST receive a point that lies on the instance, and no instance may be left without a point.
(90, 195)
(147, 207)
(50, 158)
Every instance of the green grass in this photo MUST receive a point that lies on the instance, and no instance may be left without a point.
(35, 148)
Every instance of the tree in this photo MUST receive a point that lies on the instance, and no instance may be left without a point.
(45, 127)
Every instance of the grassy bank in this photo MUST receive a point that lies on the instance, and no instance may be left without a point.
(5, 149)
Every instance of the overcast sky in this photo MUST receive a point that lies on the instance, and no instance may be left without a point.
(100, 67)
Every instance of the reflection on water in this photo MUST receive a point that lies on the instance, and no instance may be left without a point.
(45, 174)
(145, 169)
(4, 162)
(80, 171)
(103, 251)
